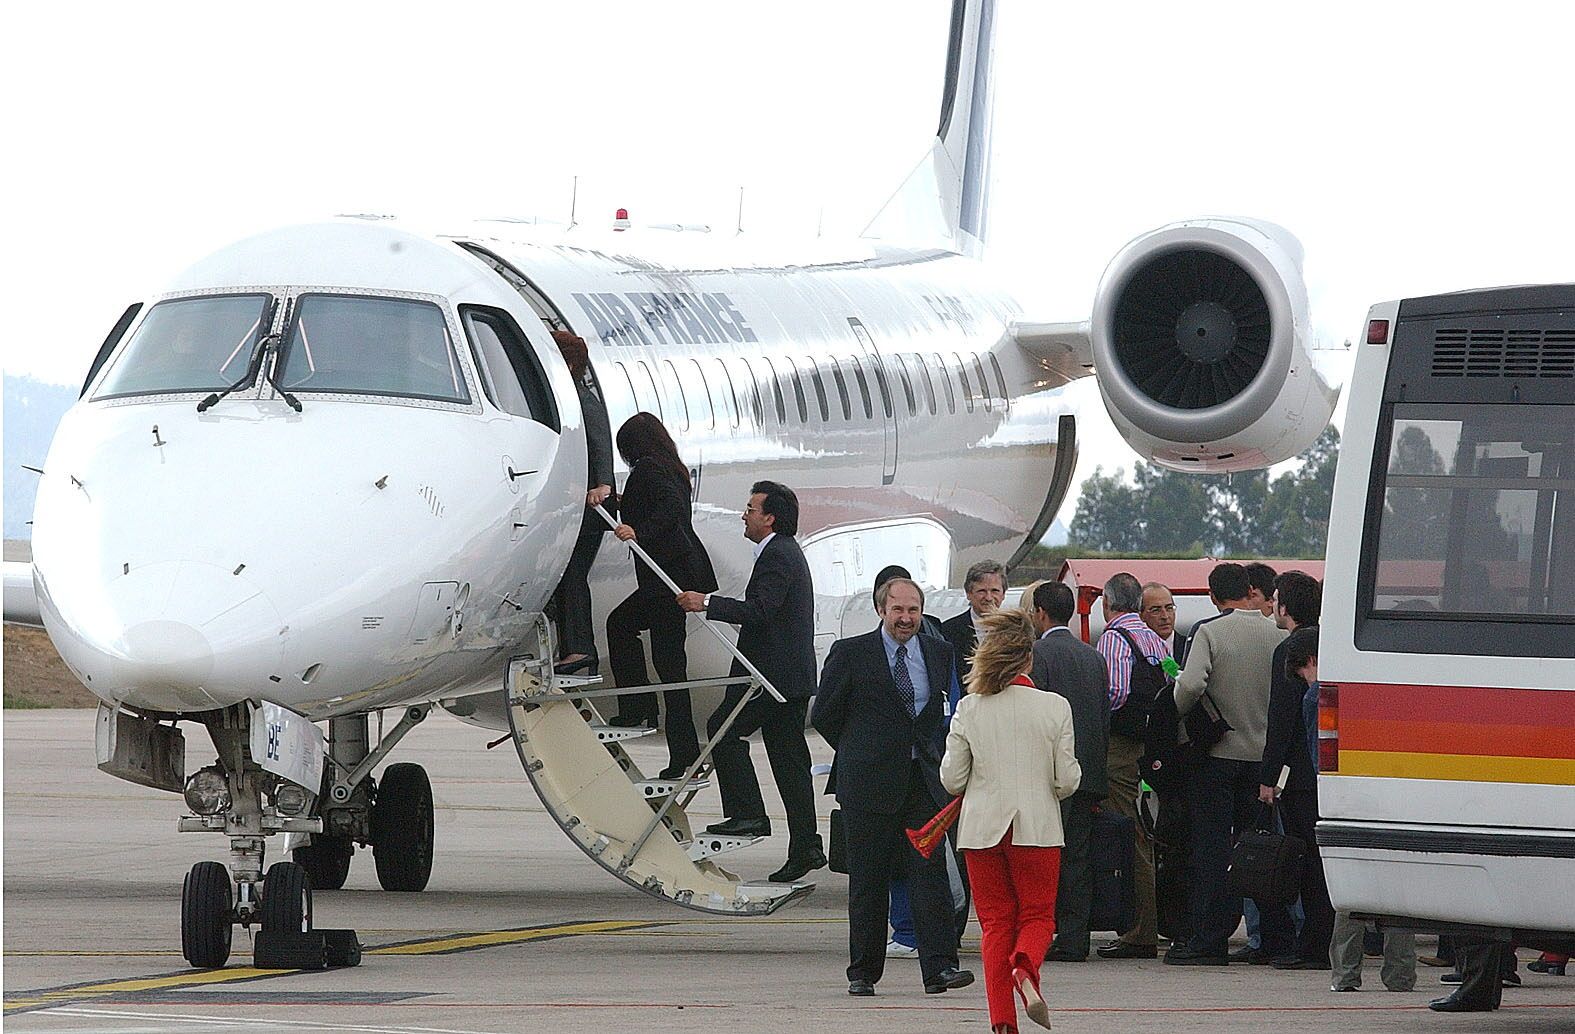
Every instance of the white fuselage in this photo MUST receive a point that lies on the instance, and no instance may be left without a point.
(373, 550)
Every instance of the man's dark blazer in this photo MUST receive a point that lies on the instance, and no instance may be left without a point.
(860, 713)
(776, 618)
(656, 504)
(1285, 742)
(1066, 665)
(1181, 644)
(959, 632)
(598, 440)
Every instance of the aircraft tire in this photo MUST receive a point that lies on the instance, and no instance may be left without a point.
(326, 860)
(206, 916)
(286, 899)
(402, 829)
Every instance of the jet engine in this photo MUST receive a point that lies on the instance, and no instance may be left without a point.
(1202, 343)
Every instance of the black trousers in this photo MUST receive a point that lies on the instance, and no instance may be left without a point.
(1222, 796)
(1482, 965)
(660, 613)
(1299, 813)
(571, 604)
(1173, 880)
(879, 849)
(1075, 895)
(781, 726)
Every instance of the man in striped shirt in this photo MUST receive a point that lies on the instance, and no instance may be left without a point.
(1124, 629)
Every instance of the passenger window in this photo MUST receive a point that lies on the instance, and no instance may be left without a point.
(929, 384)
(704, 395)
(864, 385)
(776, 391)
(673, 388)
(907, 385)
(622, 402)
(1000, 382)
(842, 388)
(730, 396)
(510, 370)
(645, 391)
(755, 406)
(962, 376)
(984, 385)
(798, 392)
(820, 391)
(946, 382)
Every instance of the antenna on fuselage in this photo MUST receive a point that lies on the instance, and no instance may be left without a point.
(574, 199)
(739, 228)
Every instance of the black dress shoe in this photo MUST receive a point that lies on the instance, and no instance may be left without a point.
(861, 989)
(587, 664)
(948, 979)
(797, 868)
(1181, 955)
(1458, 1003)
(1123, 950)
(760, 827)
(1062, 955)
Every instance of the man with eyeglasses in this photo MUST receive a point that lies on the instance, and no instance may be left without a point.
(1159, 614)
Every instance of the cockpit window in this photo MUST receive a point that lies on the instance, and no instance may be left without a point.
(356, 345)
(188, 344)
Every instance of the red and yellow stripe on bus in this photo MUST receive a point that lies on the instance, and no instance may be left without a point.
(1454, 732)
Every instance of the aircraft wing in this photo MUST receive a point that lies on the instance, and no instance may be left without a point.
(1065, 348)
(21, 605)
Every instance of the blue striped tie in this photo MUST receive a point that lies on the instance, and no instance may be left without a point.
(901, 676)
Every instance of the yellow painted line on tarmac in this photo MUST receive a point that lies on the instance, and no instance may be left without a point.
(494, 938)
(53, 997)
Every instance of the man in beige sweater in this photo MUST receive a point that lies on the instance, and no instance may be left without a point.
(1227, 672)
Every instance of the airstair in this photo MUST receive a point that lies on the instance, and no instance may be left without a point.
(632, 825)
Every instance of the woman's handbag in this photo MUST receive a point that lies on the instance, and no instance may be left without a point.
(1267, 866)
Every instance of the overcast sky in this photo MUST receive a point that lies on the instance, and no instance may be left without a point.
(1413, 148)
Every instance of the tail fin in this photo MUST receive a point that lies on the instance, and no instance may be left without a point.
(945, 197)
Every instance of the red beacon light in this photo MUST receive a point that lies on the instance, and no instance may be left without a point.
(621, 219)
(1377, 332)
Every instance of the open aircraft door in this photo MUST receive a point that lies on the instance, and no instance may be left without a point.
(888, 409)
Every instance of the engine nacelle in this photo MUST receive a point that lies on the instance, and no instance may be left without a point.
(1202, 344)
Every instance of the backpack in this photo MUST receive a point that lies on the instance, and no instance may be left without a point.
(1147, 683)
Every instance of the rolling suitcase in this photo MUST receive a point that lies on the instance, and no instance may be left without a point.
(1111, 859)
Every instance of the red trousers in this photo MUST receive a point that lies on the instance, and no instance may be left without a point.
(1014, 895)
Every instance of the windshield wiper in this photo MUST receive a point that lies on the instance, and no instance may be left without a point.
(257, 364)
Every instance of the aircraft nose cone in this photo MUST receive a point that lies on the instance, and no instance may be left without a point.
(182, 635)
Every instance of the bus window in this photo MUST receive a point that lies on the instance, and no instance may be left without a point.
(1475, 516)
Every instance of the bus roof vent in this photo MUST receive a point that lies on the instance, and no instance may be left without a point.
(1499, 352)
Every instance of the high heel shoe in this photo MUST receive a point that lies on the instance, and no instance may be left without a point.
(587, 664)
(1033, 1003)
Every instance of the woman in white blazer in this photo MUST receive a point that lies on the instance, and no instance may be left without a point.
(1009, 754)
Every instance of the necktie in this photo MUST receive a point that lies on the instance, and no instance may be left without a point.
(900, 675)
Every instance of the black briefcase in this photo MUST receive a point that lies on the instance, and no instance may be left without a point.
(1267, 866)
(1112, 856)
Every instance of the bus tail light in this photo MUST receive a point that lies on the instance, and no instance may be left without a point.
(1328, 727)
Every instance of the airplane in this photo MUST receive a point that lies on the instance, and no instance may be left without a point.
(338, 469)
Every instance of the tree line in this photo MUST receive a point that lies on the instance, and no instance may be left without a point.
(1177, 513)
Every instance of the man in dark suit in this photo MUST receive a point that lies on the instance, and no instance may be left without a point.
(776, 620)
(880, 704)
(1298, 599)
(1159, 614)
(1172, 827)
(1066, 665)
(985, 585)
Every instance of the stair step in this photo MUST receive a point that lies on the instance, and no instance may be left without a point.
(573, 682)
(613, 733)
(656, 789)
(705, 845)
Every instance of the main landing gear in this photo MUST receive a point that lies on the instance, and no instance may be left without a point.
(236, 797)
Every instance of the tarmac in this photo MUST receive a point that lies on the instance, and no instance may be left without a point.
(519, 932)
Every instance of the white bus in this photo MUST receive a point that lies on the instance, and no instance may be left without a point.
(1448, 641)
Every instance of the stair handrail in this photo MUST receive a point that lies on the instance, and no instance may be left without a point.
(732, 648)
